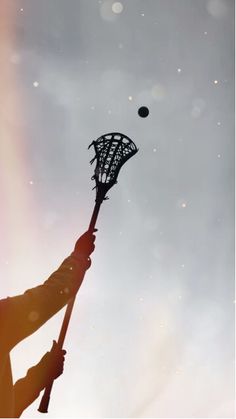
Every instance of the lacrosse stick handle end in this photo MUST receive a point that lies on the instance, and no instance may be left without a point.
(43, 407)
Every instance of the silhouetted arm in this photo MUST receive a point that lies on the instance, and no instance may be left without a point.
(24, 314)
(28, 388)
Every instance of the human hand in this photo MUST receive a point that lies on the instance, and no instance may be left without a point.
(54, 362)
(85, 244)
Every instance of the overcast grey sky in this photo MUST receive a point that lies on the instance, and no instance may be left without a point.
(152, 333)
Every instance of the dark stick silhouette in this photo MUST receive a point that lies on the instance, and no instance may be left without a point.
(111, 152)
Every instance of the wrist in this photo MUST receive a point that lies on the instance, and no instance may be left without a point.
(38, 375)
(84, 260)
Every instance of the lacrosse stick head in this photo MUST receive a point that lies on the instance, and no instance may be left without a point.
(111, 152)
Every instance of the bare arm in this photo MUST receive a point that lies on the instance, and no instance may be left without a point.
(28, 388)
(22, 315)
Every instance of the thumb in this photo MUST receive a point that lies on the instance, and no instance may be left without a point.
(54, 346)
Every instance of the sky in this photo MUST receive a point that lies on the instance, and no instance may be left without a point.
(152, 332)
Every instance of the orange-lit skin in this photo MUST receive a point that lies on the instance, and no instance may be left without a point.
(21, 316)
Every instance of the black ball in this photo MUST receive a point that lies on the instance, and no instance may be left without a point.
(143, 111)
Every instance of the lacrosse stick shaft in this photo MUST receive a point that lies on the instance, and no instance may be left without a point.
(111, 152)
(43, 407)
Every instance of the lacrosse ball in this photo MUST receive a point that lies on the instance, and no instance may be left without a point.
(143, 111)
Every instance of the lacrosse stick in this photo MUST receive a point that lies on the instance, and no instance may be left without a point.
(111, 152)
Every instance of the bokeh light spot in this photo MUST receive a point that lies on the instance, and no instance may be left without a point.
(33, 316)
(117, 7)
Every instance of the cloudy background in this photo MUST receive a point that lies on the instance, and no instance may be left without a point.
(152, 333)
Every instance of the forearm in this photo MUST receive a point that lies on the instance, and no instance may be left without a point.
(24, 396)
(24, 314)
(50, 367)
(27, 389)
